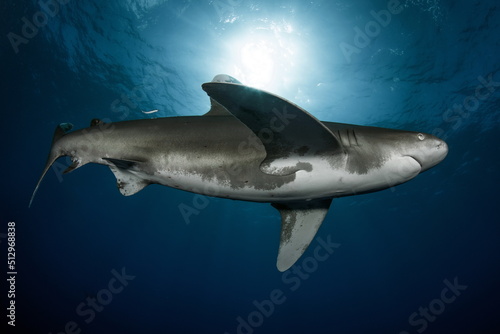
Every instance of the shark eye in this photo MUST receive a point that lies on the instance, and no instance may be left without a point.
(421, 136)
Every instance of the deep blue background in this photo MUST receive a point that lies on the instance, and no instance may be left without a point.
(397, 246)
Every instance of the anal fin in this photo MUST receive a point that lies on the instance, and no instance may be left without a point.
(299, 223)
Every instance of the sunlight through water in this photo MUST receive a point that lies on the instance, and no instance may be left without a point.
(266, 55)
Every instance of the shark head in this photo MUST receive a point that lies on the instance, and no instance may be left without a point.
(414, 153)
(426, 149)
(420, 150)
(387, 157)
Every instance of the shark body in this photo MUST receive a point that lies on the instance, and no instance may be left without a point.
(253, 146)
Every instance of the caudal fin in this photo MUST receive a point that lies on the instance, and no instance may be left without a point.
(60, 132)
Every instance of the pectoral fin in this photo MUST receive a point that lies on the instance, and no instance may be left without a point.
(299, 224)
(292, 137)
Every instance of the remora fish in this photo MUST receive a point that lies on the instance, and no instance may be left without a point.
(253, 146)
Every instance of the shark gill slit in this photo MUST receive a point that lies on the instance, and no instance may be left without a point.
(355, 138)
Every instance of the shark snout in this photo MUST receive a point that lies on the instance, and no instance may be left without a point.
(431, 153)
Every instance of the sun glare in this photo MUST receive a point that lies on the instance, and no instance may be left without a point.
(265, 56)
(257, 62)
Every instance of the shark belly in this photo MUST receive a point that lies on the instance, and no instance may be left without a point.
(245, 180)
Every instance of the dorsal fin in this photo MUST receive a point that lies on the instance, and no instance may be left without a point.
(216, 108)
(299, 223)
(61, 130)
(292, 137)
(226, 78)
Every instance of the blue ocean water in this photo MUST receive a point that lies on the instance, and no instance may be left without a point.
(419, 258)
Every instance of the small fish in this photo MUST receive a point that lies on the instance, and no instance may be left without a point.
(150, 112)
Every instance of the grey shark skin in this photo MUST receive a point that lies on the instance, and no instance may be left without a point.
(253, 146)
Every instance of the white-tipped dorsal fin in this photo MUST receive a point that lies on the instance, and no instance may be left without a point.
(299, 223)
(292, 137)
(225, 78)
(216, 108)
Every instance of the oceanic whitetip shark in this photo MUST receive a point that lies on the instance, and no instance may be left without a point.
(253, 146)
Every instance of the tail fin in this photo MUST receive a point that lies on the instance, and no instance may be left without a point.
(60, 132)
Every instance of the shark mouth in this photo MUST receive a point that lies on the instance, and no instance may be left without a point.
(421, 166)
(416, 160)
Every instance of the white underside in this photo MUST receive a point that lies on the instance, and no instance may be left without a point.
(321, 182)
